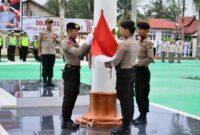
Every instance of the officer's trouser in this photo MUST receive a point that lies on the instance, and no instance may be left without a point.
(170, 57)
(163, 54)
(154, 52)
(11, 52)
(123, 87)
(71, 77)
(48, 61)
(178, 57)
(8, 52)
(20, 53)
(173, 55)
(133, 90)
(24, 51)
(0, 52)
(142, 89)
(35, 52)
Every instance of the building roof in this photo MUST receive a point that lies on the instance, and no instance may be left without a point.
(41, 6)
(190, 25)
(162, 24)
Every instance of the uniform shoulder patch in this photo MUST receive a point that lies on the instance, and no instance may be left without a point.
(149, 45)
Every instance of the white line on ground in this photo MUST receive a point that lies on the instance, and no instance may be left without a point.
(175, 111)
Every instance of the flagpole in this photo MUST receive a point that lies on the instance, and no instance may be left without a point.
(103, 94)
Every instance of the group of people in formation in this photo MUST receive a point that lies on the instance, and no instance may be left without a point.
(21, 43)
(172, 49)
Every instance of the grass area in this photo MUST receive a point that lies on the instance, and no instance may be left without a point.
(170, 85)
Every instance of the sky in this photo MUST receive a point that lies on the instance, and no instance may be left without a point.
(190, 9)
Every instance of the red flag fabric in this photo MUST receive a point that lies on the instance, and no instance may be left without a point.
(104, 42)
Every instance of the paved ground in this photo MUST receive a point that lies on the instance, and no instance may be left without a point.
(47, 121)
(172, 85)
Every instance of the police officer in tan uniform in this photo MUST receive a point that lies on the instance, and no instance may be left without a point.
(71, 74)
(179, 51)
(46, 49)
(163, 49)
(171, 51)
(124, 60)
(142, 86)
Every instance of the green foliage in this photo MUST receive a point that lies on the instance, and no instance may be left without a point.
(160, 10)
(174, 10)
(124, 8)
(80, 9)
(73, 8)
(197, 4)
(54, 6)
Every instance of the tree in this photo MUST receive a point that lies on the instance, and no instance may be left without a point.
(197, 4)
(158, 9)
(80, 9)
(124, 8)
(54, 6)
(174, 10)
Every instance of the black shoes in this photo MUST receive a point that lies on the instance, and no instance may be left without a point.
(121, 131)
(44, 83)
(50, 84)
(140, 121)
(69, 125)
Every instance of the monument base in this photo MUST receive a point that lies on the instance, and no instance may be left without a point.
(102, 111)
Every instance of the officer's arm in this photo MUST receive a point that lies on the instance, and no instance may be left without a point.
(67, 47)
(119, 55)
(149, 58)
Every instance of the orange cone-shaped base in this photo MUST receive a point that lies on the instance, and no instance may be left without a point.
(102, 111)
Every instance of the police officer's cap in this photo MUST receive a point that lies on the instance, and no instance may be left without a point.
(9, 33)
(130, 25)
(12, 32)
(6, 2)
(48, 20)
(72, 25)
(143, 25)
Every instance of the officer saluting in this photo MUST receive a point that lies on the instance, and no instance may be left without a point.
(124, 60)
(71, 74)
(142, 86)
(46, 49)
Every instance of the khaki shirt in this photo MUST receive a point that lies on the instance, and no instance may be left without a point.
(172, 48)
(179, 48)
(73, 52)
(48, 42)
(163, 47)
(126, 55)
(145, 56)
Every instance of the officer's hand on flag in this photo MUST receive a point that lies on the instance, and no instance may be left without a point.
(108, 64)
(89, 39)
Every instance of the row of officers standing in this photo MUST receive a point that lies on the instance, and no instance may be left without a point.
(21, 42)
(171, 49)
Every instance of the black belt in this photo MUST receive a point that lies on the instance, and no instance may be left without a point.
(120, 70)
(72, 66)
